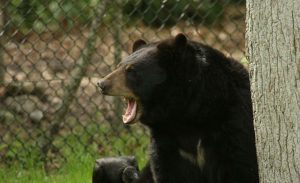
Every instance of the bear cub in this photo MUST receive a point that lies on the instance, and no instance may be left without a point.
(196, 103)
(122, 169)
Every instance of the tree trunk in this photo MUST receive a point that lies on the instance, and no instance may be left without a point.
(3, 17)
(273, 45)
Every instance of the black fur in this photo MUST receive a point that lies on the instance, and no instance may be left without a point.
(116, 170)
(194, 99)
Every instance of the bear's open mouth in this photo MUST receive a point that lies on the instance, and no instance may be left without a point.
(130, 111)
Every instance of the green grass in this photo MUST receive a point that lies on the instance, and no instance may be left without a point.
(78, 169)
(80, 154)
(71, 172)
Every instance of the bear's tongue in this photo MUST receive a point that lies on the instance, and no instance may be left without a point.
(130, 112)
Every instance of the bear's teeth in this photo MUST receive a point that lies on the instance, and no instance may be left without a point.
(130, 112)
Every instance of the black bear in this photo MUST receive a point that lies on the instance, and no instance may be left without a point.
(196, 103)
(116, 170)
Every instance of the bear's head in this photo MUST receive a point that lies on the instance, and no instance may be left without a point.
(161, 79)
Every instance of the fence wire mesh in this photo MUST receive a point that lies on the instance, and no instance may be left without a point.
(53, 52)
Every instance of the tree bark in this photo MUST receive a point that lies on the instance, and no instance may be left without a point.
(3, 17)
(273, 46)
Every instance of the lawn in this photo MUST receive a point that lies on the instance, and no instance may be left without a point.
(78, 169)
(77, 154)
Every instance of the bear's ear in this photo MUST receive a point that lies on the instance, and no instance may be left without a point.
(180, 40)
(131, 160)
(138, 44)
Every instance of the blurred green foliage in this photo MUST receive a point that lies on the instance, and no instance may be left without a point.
(50, 14)
(39, 15)
(157, 13)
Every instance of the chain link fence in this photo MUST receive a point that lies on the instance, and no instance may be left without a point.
(53, 52)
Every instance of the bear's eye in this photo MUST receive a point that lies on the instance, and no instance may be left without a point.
(131, 72)
(129, 69)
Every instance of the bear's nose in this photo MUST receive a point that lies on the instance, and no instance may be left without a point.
(103, 85)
